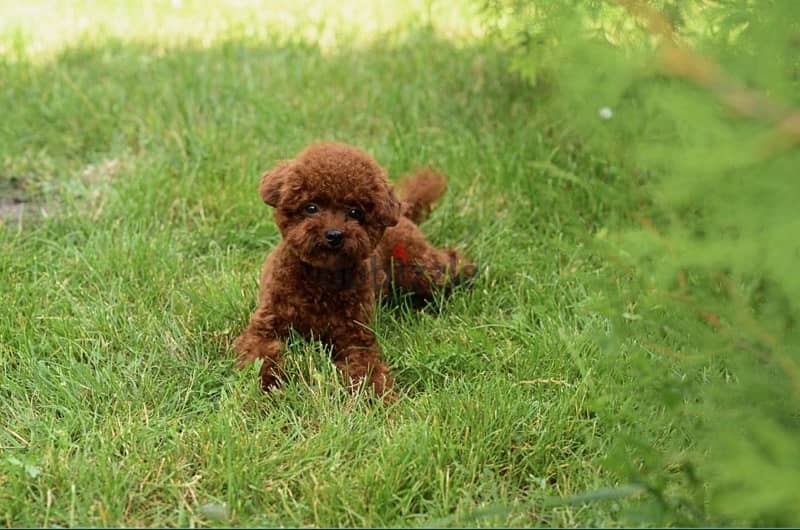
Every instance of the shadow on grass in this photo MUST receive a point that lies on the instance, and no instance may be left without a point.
(196, 126)
(211, 106)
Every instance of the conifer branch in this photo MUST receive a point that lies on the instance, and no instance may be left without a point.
(681, 61)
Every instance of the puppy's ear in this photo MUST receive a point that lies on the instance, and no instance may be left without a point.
(387, 211)
(272, 183)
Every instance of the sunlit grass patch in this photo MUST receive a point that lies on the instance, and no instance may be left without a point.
(38, 30)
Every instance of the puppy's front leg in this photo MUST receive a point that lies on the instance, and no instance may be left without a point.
(357, 355)
(260, 341)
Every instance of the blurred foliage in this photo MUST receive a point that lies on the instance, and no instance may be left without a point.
(696, 101)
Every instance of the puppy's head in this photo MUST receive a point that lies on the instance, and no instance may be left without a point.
(332, 204)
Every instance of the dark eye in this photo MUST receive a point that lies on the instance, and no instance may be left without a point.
(311, 208)
(355, 213)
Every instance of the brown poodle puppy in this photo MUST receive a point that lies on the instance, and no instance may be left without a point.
(347, 239)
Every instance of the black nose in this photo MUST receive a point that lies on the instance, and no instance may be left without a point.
(334, 238)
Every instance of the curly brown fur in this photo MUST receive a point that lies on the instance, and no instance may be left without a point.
(346, 239)
(419, 191)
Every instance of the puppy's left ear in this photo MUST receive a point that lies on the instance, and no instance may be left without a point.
(272, 183)
(387, 211)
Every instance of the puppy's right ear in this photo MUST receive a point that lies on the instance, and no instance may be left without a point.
(272, 183)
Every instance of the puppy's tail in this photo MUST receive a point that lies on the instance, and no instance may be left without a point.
(419, 191)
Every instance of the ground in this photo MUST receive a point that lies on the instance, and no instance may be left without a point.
(141, 130)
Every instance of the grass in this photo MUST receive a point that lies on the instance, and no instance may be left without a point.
(137, 143)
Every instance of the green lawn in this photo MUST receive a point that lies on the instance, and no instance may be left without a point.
(132, 234)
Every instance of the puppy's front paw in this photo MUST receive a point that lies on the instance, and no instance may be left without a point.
(377, 376)
(382, 382)
(250, 347)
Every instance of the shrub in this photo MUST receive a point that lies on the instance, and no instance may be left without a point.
(696, 101)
